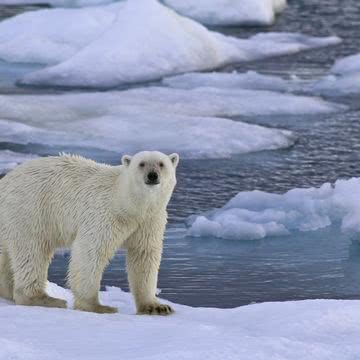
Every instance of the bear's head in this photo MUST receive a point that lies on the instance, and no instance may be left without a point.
(151, 171)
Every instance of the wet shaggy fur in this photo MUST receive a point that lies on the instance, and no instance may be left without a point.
(69, 201)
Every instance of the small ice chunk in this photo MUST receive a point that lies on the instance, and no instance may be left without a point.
(255, 214)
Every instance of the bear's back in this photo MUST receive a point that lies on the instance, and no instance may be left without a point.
(59, 187)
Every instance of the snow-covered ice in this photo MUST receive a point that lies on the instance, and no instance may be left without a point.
(256, 214)
(191, 121)
(344, 84)
(341, 85)
(211, 12)
(347, 64)
(50, 36)
(343, 80)
(10, 159)
(193, 137)
(299, 330)
(58, 3)
(225, 12)
(109, 45)
(251, 80)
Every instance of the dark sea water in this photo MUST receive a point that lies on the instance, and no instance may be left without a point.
(222, 273)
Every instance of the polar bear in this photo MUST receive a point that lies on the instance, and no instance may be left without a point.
(70, 201)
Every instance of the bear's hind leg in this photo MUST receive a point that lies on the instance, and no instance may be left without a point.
(6, 276)
(30, 268)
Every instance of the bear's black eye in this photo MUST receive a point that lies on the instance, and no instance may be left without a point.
(142, 164)
(161, 164)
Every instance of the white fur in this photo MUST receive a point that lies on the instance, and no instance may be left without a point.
(96, 209)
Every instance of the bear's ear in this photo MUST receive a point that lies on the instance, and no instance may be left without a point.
(125, 160)
(174, 158)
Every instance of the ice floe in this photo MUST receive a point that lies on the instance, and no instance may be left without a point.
(193, 137)
(347, 64)
(299, 330)
(211, 12)
(10, 159)
(225, 12)
(344, 78)
(191, 121)
(257, 214)
(109, 45)
(251, 80)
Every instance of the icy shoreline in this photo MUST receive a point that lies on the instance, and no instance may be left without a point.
(300, 330)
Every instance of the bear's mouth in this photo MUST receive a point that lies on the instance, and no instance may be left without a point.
(153, 182)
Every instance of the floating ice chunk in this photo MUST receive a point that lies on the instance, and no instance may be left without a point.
(294, 330)
(343, 80)
(109, 45)
(223, 12)
(331, 85)
(193, 137)
(10, 159)
(256, 214)
(205, 101)
(125, 120)
(249, 80)
(347, 64)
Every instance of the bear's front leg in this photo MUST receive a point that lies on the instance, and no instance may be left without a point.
(88, 261)
(143, 267)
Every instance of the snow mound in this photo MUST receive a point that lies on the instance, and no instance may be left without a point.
(256, 214)
(10, 159)
(109, 45)
(301, 330)
(225, 12)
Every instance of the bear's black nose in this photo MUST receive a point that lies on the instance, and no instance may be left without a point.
(153, 178)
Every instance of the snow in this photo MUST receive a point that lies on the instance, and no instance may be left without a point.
(10, 159)
(256, 214)
(109, 45)
(225, 12)
(301, 330)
